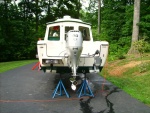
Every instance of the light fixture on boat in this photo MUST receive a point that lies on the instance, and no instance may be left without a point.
(47, 61)
(50, 61)
(55, 61)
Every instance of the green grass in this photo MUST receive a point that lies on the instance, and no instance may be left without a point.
(132, 81)
(5, 66)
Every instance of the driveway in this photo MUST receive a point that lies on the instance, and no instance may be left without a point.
(23, 90)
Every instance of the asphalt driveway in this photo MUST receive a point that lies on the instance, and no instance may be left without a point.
(23, 90)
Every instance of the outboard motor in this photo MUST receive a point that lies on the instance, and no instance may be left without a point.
(74, 47)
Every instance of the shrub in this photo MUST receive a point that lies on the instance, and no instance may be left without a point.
(142, 46)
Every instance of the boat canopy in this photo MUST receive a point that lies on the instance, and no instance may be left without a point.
(68, 19)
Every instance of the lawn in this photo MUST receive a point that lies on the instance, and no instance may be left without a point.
(5, 66)
(131, 75)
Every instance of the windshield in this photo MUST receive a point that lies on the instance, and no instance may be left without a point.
(54, 33)
(85, 33)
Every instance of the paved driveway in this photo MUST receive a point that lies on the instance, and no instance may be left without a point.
(23, 90)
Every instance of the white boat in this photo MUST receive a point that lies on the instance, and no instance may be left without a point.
(68, 47)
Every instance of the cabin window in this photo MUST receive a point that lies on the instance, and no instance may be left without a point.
(85, 33)
(54, 33)
(68, 28)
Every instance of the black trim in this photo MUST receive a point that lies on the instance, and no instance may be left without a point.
(68, 69)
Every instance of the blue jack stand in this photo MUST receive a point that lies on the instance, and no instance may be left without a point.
(84, 89)
(60, 87)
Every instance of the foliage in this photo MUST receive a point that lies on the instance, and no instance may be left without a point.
(143, 67)
(145, 20)
(130, 79)
(95, 34)
(114, 17)
(119, 49)
(142, 46)
(92, 20)
(22, 24)
(116, 24)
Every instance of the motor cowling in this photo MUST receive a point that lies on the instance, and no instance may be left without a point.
(74, 42)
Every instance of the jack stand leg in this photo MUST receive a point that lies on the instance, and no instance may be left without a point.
(60, 86)
(84, 89)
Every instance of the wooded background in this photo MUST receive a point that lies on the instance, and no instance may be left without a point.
(22, 22)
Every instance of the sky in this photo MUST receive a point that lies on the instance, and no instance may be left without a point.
(85, 3)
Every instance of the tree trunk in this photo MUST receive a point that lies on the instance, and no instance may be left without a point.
(135, 32)
(99, 8)
(37, 17)
(25, 18)
(78, 9)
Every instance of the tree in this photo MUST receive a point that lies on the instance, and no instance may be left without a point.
(23, 22)
(144, 26)
(135, 32)
(91, 13)
(113, 19)
(99, 8)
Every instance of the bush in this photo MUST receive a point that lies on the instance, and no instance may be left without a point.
(119, 48)
(142, 46)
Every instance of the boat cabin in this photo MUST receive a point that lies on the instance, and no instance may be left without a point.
(53, 52)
